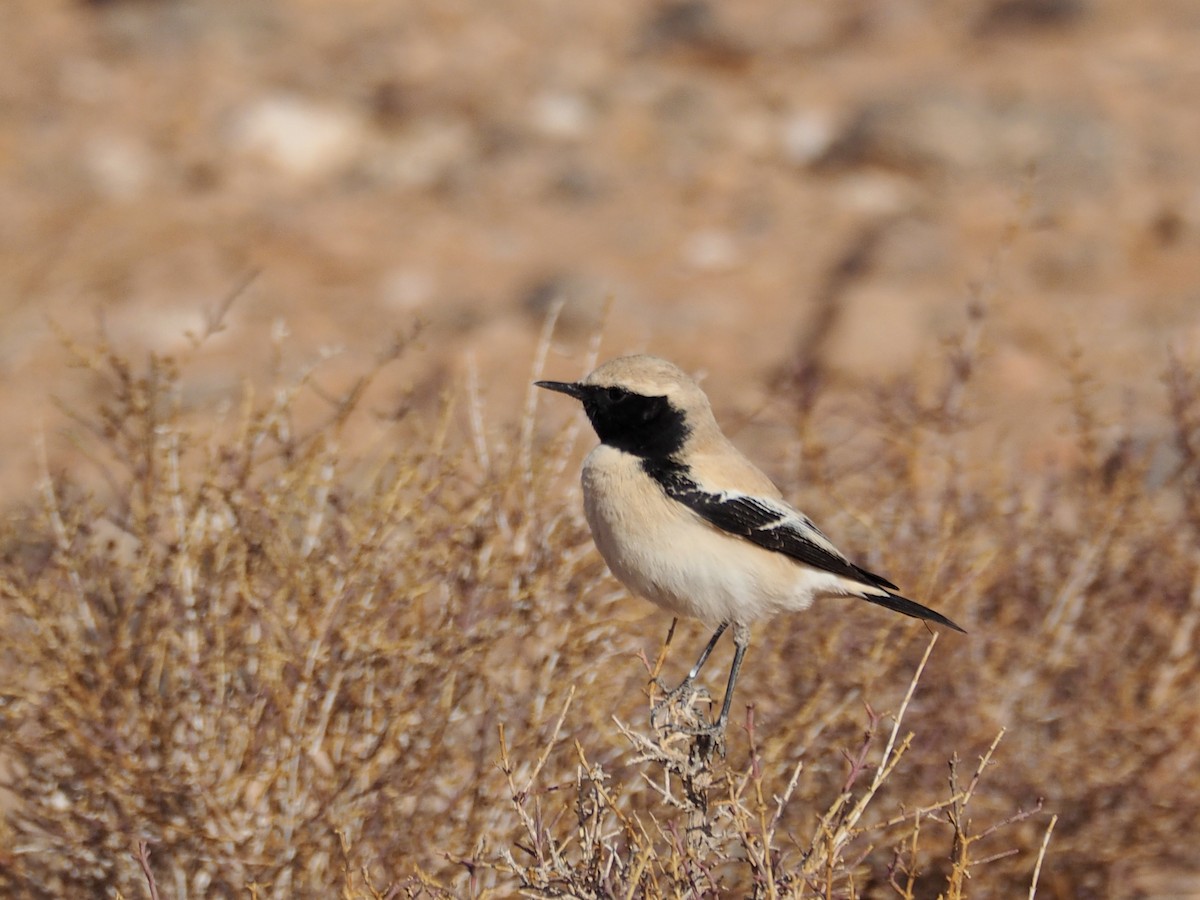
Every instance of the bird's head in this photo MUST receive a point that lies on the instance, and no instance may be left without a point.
(641, 404)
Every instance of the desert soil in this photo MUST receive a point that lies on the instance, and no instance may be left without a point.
(721, 177)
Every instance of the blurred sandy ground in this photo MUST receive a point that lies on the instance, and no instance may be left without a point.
(722, 172)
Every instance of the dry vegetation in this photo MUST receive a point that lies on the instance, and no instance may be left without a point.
(257, 664)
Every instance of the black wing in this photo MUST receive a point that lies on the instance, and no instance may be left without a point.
(777, 527)
(774, 527)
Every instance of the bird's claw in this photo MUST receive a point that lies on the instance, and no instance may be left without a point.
(682, 718)
(707, 739)
(670, 698)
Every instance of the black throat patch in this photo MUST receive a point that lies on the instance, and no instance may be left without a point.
(649, 427)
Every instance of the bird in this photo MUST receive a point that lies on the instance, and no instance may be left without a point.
(684, 519)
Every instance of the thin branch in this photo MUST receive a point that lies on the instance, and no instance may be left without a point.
(143, 857)
(1037, 868)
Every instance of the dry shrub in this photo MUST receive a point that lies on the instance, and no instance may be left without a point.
(254, 664)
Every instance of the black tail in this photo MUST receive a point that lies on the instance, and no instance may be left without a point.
(900, 604)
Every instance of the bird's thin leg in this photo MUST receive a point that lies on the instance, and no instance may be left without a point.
(691, 676)
(706, 653)
(714, 732)
(741, 640)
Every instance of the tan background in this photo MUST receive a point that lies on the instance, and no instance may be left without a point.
(707, 166)
(754, 186)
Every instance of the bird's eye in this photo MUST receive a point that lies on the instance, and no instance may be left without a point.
(614, 394)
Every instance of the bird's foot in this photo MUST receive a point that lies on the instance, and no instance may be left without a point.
(663, 689)
(676, 701)
(707, 729)
(707, 738)
(676, 716)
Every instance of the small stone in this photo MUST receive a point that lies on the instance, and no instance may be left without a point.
(806, 136)
(408, 290)
(583, 300)
(119, 167)
(298, 137)
(427, 152)
(561, 114)
(711, 250)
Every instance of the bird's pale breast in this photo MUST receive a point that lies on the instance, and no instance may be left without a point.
(660, 549)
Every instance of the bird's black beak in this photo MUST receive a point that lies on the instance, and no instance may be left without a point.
(562, 387)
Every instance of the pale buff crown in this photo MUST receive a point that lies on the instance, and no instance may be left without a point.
(653, 376)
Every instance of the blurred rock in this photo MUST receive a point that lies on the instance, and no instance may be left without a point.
(711, 250)
(299, 138)
(1016, 16)
(690, 28)
(1167, 226)
(577, 183)
(389, 103)
(406, 290)
(584, 299)
(806, 136)
(427, 152)
(565, 115)
(876, 194)
(927, 130)
(119, 167)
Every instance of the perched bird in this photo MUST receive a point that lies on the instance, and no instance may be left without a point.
(684, 519)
